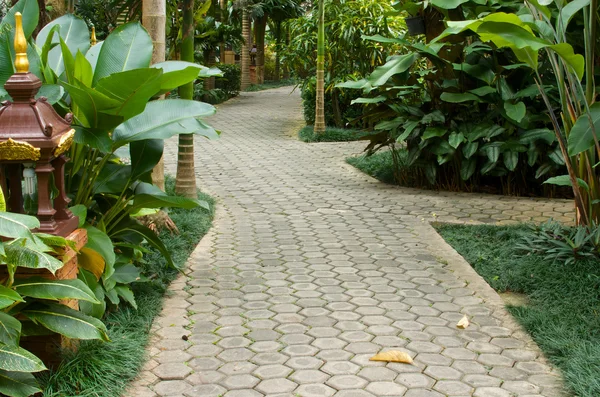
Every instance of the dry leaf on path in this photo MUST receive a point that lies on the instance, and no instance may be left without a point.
(393, 356)
(463, 323)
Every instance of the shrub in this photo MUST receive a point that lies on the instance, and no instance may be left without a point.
(231, 81)
(338, 109)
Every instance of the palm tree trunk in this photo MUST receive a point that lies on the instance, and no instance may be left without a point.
(277, 50)
(153, 18)
(320, 101)
(245, 56)
(260, 26)
(185, 181)
(223, 7)
(286, 68)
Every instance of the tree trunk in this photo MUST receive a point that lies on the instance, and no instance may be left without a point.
(286, 68)
(211, 60)
(260, 26)
(320, 101)
(154, 18)
(277, 50)
(185, 182)
(245, 55)
(223, 7)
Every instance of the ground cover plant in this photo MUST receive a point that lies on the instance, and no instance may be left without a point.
(562, 312)
(331, 134)
(105, 370)
(389, 166)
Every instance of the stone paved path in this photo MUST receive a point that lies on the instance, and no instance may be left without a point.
(312, 267)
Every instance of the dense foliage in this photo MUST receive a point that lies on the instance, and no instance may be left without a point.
(347, 55)
(470, 111)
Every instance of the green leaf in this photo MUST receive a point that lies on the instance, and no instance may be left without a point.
(128, 47)
(456, 138)
(18, 384)
(94, 310)
(162, 200)
(113, 178)
(17, 254)
(453, 97)
(132, 89)
(470, 149)
(515, 111)
(565, 180)
(17, 225)
(31, 13)
(126, 274)
(10, 330)
(448, 4)
(14, 358)
(95, 138)
(52, 92)
(93, 53)
(511, 160)
(492, 152)
(376, 99)
(132, 231)
(73, 31)
(567, 13)
(485, 90)
(164, 119)
(79, 211)
(126, 293)
(396, 65)
(581, 137)
(144, 156)
(82, 70)
(467, 168)
(177, 73)
(41, 288)
(435, 116)
(431, 132)
(480, 72)
(66, 321)
(8, 297)
(90, 103)
(101, 243)
(538, 134)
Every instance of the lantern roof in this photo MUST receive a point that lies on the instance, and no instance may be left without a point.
(30, 128)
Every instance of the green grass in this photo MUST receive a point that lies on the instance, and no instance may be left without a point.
(563, 310)
(271, 84)
(106, 369)
(331, 134)
(380, 165)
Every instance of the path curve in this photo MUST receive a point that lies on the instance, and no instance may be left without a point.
(312, 267)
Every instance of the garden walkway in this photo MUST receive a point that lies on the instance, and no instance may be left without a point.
(312, 267)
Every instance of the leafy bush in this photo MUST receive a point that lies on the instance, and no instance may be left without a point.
(231, 81)
(338, 109)
(331, 134)
(559, 243)
(389, 166)
(468, 112)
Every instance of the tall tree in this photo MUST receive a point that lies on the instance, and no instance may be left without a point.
(245, 56)
(185, 181)
(320, 101)
(154, 15)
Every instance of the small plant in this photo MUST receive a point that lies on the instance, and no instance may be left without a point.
(561, 243)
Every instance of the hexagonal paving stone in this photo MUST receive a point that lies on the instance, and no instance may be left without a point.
(386, 389)
(314, 390)
(272, 371)
(243, 381)
(340, 368)
(276, 385)
(238, 367)
(453, 388)
(341, 382)
(309, 376)
(374, 374)
(307, 362)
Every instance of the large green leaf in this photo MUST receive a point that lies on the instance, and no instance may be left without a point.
(66, 321)
(17, 225)
(144, 156)
(94, 137)
(134, 232)
(581, 137)
(396, 64)
(8, 297)
(127, 294)
(52, 92)
(163, 119)
(511, 160)
(19, 254)
(101, 243)
(542, 134)
(459, 97)
(14, 358)
(456, 138)
(18, 384)
(177, 73)
(126, 274)
(10, 330)
(431, 132)
(73, 31)
(41, 288)
(448, 4)
(94, 310)
(132, 89)
(565, 180)
(113, 178)
(30, 11)
(568, 12)
(470, 149)
(467, 168)
(93, 53)
(128, 47)
(90, 103)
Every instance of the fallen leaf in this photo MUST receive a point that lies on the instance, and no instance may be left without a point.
(463, 323)
(393, 356)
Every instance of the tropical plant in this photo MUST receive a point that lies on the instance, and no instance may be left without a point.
(31, 305)
(544, 26)
(109, 86)
(467, 112)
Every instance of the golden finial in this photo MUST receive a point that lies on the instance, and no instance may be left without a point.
(21, 61)
(94, 41)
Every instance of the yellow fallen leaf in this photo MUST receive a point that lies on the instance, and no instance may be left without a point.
(393, 356)
(463, 323)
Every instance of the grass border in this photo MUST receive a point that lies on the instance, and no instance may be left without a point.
(331, 134)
